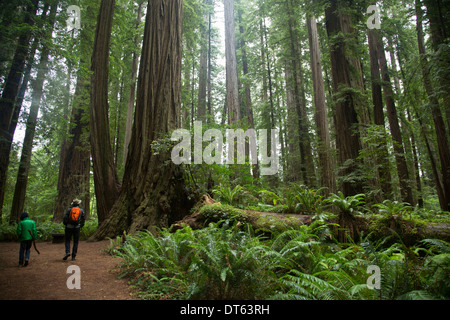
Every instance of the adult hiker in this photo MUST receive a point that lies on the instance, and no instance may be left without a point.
(74, 221)
(26, 232)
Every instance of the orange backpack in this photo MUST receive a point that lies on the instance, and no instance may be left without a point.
(74, 215)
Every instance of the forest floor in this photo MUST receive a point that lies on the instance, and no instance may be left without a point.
(46, 275)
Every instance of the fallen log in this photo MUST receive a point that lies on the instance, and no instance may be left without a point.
(208, 210)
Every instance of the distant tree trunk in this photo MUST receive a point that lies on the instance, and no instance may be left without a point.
(75, 165)
(25, 159)
(438, 31)
(307, 164)
(339, 26)
(247, 91)
(378, 116)
(233, 109)
(203, 64)
(106, 181)
(294, 169)
(402, 168)
(153, 188)
(326, 163)
(132, 96)
(9, 94)
(209, 103)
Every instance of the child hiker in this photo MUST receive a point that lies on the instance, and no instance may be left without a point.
(26, 230)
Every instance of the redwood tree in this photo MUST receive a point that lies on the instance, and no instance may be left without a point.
(106, 182)
(153, 193)
(346, 81)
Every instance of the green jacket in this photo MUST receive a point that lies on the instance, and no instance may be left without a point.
(23, 227)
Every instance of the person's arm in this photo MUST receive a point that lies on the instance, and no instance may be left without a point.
(83, 219)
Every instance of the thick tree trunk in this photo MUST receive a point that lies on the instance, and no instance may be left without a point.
(326, 163)
(233, 109)
(153, 193)
(74, 175)
(25, 160)
(106, 181)
(345, 81)
(442, 137)
(9, 95)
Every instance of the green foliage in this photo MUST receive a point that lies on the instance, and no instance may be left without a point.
(391, 208)
(221, 261)
(350, 205)
(228, 194)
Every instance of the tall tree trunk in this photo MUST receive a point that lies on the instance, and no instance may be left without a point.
(378, 117)
(339, 27)
(153, 188)
(6, 143)
(106, 181)
(9, 94)
(400, 158)
(75, 163)
(25, 159)
(307, 164)
(233, 109)
(294, 168)
(247, 91)
(326, 163)
(438, 31)
(132, 95)
(203, 63)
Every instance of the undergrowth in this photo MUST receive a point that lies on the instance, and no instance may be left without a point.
(226, 260)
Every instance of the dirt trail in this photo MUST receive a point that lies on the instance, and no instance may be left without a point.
(46, 276)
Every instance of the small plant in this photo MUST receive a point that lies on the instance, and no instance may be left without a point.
(393, 208)
(348, 209)
(228, 194)
(350, 205)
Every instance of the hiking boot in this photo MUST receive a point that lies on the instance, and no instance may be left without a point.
(66, 256)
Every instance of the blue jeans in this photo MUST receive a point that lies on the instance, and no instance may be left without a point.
(24, 251)
(69, 233)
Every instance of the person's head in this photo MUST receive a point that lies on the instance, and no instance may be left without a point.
(76, 202)
(24, 215)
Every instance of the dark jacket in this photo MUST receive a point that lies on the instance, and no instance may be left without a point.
(70, 225)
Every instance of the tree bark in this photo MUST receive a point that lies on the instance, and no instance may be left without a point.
(326, 163)
(233, 109)
(340, 31)
(75, 165)
(132, 96)
(25, 159)
(400, 158)
(9, 95)
(106, 181)
(378, 116)
(442, 138)
(153, 193)
(203, 63)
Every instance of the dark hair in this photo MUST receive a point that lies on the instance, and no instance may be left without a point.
(24, 215)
